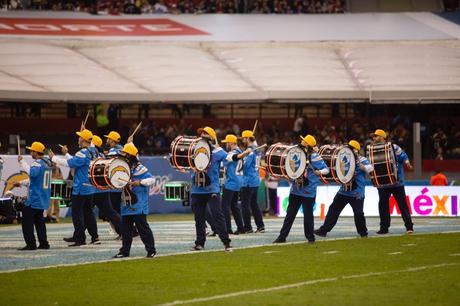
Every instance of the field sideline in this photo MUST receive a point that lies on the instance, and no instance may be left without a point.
(422, 269)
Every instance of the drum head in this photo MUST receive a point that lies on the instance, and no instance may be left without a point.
(345, 165)
(295, 162)
(119, 173)
(201, 155)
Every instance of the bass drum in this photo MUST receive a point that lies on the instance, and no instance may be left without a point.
(341, 162)
(286, 161)
(383, 158)
(190, 153)
(111, 173)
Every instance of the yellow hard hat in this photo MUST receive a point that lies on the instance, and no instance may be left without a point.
(354, 144)
(310, 140)
(247, 133)
(86, 135)
(230, 138)
(208, 130)
(113, 136)
(97, 141)
(37, 147)
(381, 133)
(130, 149)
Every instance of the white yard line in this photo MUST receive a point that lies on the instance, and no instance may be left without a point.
(304, 283)
(212, 251)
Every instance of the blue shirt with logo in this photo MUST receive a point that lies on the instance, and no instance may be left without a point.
(218, 155)
(141, 207)
(251, 169)
(233, 171)
(39, 184)
(308, 189)
(80, 162)
(359, 180)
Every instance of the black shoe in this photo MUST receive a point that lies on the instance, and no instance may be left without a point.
(260, 230)
(409, 231)
(28, 248)
(382, 232)
(279, 240)
(197, 248)
(363, 235)
(44, 247)
(320, 233)
(77, 244)
(311, 241)
(211, 234)
(151, 254)
(95, 241)
(230, 232)
(249, 231)
(120, 255)
(238, 232)
(69, 239)
(228, 247)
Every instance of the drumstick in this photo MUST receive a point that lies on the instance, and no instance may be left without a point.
(260, 147)
(123, 180)
(62, 146)
(19, 146)
(86, 119)
(255, 127)
(137, 128)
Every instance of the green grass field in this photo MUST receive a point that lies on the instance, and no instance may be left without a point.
(435, 279)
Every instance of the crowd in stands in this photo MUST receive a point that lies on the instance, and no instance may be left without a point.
(181, 6)
(156, 139)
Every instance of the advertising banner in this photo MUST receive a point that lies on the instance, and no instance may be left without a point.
(423, 201)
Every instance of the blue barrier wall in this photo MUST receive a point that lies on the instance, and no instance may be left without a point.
(162, 171)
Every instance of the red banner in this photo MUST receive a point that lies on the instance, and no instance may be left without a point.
(95, 27)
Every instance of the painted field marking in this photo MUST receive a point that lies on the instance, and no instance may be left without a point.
(305, 283)
(395, 253)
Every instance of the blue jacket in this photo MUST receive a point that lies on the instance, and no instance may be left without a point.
(80, 162)
(233, 171)
(39, 184)
(141, 207)
(218, 155)
(251, 169)
(359, 180)
(401, 158)
(308, 190)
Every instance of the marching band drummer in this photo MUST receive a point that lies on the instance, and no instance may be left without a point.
(135, 213)
(354, 197)
(206, 191)
(38, 197)
(82, 193)
(232, 184)
(101, 198)
(251, 182)
(304, 193)
(113, 142)
(397, 190)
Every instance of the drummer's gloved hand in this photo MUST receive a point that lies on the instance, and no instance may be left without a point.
(64, 150)
(19, 158)
(51, 154)
(317, 172)
(248, 151)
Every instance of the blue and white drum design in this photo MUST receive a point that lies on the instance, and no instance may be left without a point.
(286, 161)
(341, 162)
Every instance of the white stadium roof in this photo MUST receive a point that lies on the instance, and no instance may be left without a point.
(148, 70)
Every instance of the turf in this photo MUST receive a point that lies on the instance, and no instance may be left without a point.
(183, 277)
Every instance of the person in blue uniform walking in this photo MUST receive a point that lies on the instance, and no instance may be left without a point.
(82, 193)
(353, 196)
(101, 198)
(397, 190)
(206, 191)
(251, 182)
(233, 180)
(134, 213)
(303, 192)
(38, 197)
(113, 142)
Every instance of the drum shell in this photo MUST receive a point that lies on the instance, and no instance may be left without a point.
(383, 159)
(287, 161)
(341, 161)
(185, 150)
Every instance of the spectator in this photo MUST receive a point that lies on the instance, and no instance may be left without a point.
(438, 179)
